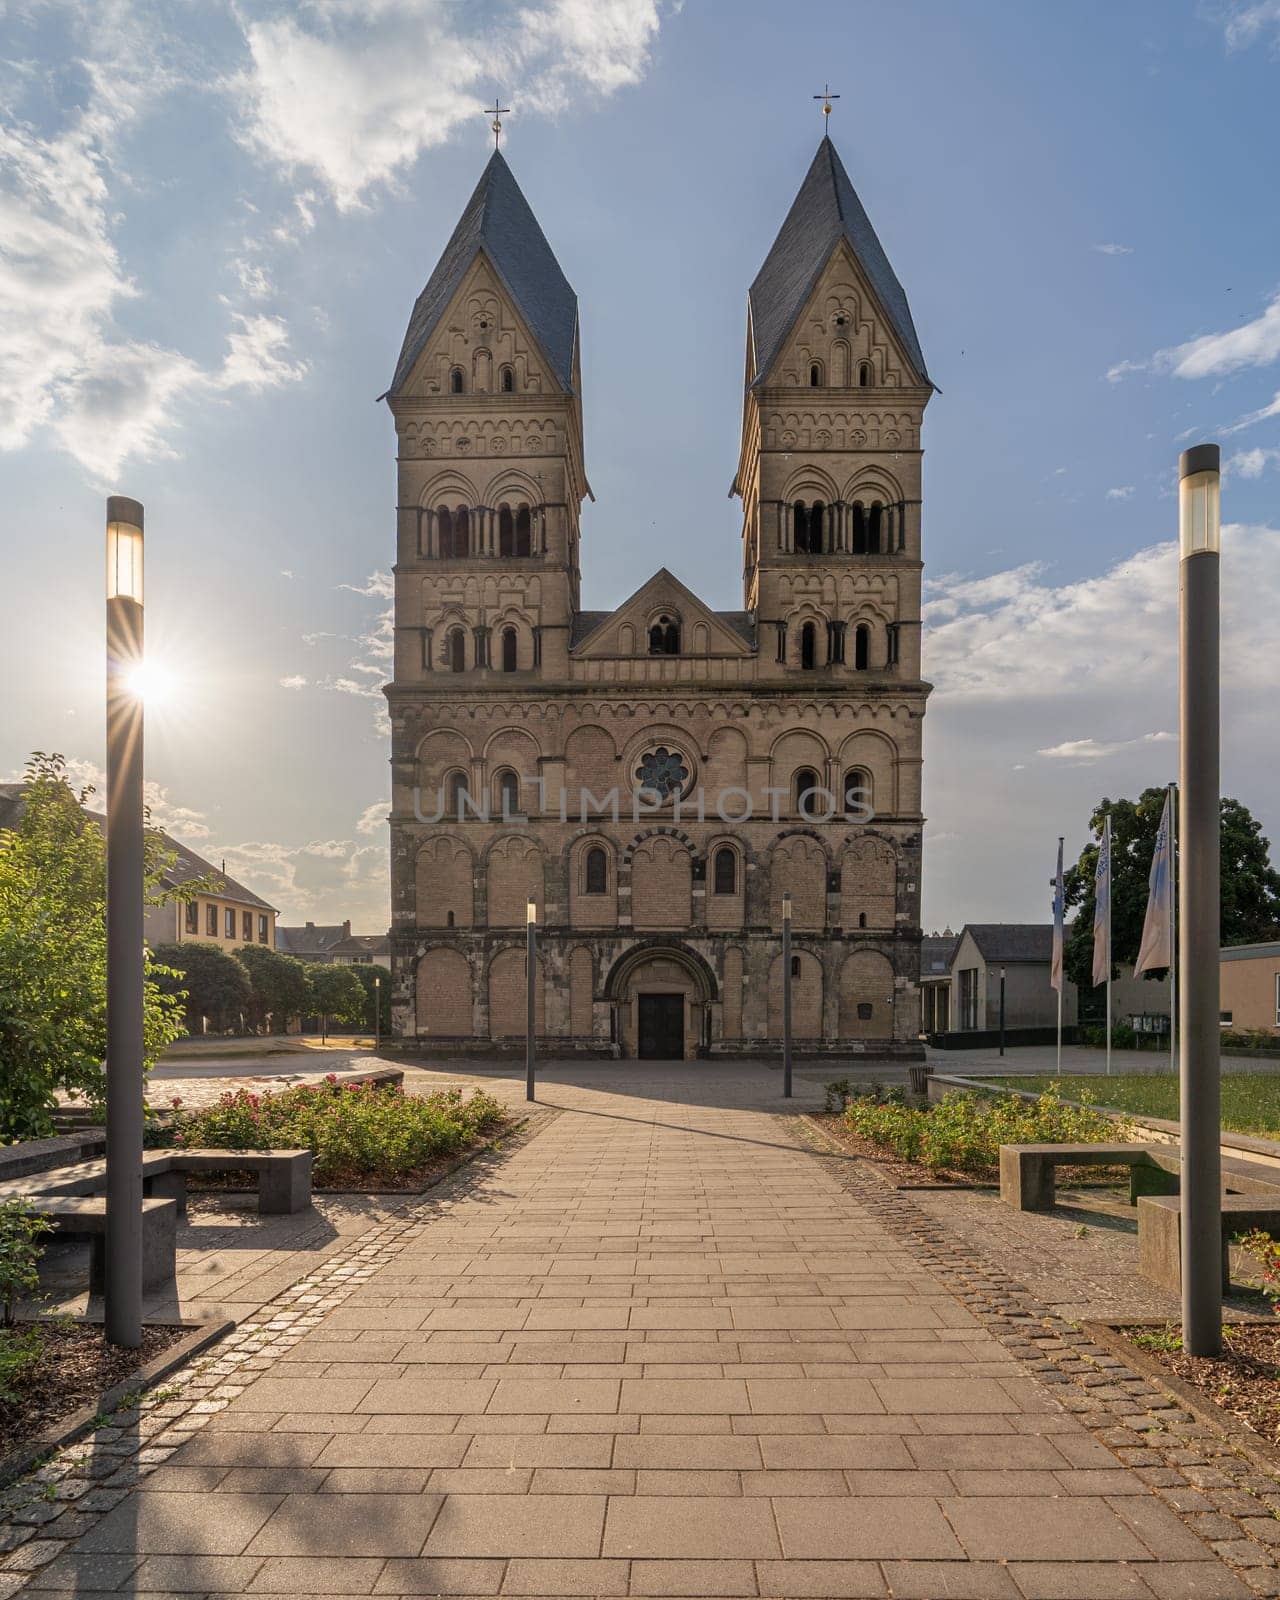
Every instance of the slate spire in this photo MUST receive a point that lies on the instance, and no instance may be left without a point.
(826, 209)
(498, 220)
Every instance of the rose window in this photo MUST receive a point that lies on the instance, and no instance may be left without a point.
(663, 771)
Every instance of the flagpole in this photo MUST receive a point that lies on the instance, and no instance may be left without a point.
(1173, 927)
(1108, 848)
(1061, 978)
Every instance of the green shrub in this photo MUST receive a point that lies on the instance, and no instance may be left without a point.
(839, 1092)
(963, 1131)
(1266, 1252)
(1250, 1039)
(356, 1132)
(1094, 1036)
(20, 1251)
(20, 1350)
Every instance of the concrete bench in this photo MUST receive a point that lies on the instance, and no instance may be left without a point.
(77, 1216)
(284, 1177)
(1027, 1171)
(1160, 1233)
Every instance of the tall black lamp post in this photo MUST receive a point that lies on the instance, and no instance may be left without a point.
(1001, 1010)
(123, 1286)
(786, 994)
(1200, 537)
(531, 1009)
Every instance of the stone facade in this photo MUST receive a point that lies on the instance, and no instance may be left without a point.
(522, 727)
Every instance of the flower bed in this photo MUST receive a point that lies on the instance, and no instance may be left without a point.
(961, 1134)
(361, 1135)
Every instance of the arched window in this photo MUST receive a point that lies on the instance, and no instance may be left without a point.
(815, 375)
(800, 527)
(664, 637)
(795, 966)
(458, 794)
(808, 646)
(864, 375)
(861, 647)
(509, 647)
(857, 793)
(862, 919)
(455, 650)
(595, 871)
(859, 515)
(817, 519)
(455, 381)
(506, 532)
(806, 791)
(725, 871)
(461, 531)
(508, 794)
(444, 532)
(507, 381)
(873, 528)
(524, 531)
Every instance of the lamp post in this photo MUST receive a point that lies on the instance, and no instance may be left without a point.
(122, 1297)
(1001, 1010)
(786, 994)
(1200, 895)
(377, 1014)
(531, 1010)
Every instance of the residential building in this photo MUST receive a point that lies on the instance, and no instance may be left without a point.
(335, 943)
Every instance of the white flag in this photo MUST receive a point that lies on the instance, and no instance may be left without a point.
(1156, 949)
(1059, 907)
(1102, 907)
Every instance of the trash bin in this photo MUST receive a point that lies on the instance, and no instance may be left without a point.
(919, 1078)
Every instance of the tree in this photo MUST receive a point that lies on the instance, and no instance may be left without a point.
(1250, 885)
(53, 953)
(280, 987)
(212, 982)
(336, 993)
(375, 996)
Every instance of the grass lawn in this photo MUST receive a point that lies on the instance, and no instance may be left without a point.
(1250, 1100)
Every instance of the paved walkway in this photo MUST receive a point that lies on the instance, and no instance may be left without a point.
(659, 1351)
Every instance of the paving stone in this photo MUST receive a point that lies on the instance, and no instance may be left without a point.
(177, 1524)
(511, 1525)
(348, 1525)
(563, 1577)
(690, 1527)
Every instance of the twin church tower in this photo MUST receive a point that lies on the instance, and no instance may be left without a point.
(652, 780)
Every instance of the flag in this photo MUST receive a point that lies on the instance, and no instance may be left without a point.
(1102, 907)
(1059, 906)
(1156, 949)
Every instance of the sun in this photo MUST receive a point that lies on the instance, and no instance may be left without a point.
(152, 681)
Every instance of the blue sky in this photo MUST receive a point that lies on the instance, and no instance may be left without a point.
(214, 220)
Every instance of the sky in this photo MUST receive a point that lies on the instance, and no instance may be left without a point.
(215, 218)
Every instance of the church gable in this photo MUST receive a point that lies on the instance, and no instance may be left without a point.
(843, 332)
(659, 606)
(482, 336)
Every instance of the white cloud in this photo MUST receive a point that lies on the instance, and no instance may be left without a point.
(373, 818)
(1087, 751)
(1271, 409)
(1122, 493)
(1123, 368)
(1246, 22)
(1114, 249)
(1250, 463)
(1253, 344)
(295, 680)
(255, 358)
(354, 91)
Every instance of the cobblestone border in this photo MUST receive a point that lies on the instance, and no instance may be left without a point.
(1216, 1489)
(58, 1502)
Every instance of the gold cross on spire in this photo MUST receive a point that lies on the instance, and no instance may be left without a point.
(497, 112)
(826, 97)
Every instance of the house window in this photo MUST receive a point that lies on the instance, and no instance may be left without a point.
(859, 517)
(864, 1011)
(263, 930)
(873, 528)
(506, 532)
(459, 798)
(193, 916)
(596, 873)
(815, 375)
(246, 927)
(968, 998)
(229, 923)
(1224, 1018)
(509, 644)
(211, 921)
(725, 876)
(857, 792)
(461, 531)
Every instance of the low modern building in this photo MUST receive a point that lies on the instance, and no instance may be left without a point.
(334, 942)
(1250, 987)
(936, 950)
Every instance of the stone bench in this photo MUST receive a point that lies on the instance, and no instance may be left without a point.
(1160, 1233)
(1027, 1171)
(284, 1177)
(85, 1216)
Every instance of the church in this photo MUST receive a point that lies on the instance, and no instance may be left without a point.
(649, 783)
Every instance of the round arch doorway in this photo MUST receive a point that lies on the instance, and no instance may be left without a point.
(662, 997)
